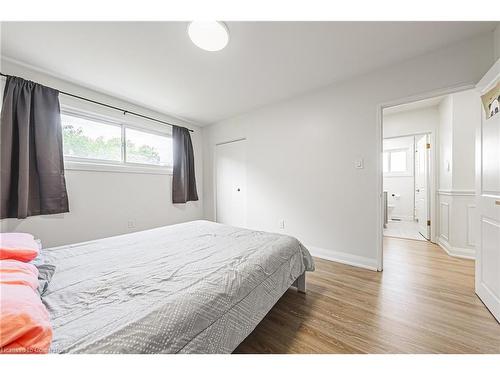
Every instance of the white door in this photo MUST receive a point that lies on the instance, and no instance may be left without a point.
(488, 201)
(230, 169)
(422, 185)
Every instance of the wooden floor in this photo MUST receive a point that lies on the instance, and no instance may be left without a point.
(423, 302)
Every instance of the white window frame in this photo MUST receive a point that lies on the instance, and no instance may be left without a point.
(409, 163)
(101, 165)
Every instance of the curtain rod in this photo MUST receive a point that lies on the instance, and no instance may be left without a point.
(113, 107)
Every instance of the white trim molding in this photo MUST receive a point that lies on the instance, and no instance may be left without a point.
(457, 193)
(458, 252)
(345, 258)
(72, 165)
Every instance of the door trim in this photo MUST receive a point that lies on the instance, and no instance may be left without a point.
(432, 178)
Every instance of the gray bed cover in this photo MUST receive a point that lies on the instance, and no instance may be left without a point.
(196, 287)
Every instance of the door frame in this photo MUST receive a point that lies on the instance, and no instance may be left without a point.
(214, 170)
(379, 151)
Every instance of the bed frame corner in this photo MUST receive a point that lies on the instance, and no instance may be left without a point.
(300, 283)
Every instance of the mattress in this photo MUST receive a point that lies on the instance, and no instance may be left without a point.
(196, 287)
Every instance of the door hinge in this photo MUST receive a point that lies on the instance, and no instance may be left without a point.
(428, 145)
(428, 222)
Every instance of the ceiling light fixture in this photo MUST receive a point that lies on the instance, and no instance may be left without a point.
(209, 35)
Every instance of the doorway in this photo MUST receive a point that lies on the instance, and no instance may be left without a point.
(406, 186)
(443, 129)
(464, 164)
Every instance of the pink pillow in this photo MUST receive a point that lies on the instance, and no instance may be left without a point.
(18, 246)
(24, 320)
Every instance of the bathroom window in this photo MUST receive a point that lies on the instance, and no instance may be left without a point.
(397, 162)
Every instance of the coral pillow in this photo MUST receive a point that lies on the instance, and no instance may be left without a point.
(18, 246)
(24, 320)
(18, 273)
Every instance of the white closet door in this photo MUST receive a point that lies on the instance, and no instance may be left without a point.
(231, 175)
(421, 186)
(488, 202)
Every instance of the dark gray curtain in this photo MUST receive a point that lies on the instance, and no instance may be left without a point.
(31, 151)
(183, 181)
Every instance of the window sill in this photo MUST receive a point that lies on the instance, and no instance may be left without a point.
(72, 165)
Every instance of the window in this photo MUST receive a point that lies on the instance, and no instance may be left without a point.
(101, 144)
(83, 138)
(397, 162)
(148, 148)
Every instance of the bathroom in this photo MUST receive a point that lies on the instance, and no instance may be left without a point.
(401, 166)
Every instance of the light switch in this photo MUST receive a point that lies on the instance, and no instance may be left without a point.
(359, 164)
(282, 224)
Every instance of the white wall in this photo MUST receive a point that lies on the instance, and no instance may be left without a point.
(401, 189)
(466, 115)
(415, 121)
(102, 203)
(460, 114)
(301, 152)
(445, 143)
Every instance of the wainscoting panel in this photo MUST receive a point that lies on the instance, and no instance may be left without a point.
(471, 225)
(457, 222)
(444, 220)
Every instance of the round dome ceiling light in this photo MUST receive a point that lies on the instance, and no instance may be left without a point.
(209, 35)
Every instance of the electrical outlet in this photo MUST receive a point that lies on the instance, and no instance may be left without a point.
(282, 224)
(131, 224)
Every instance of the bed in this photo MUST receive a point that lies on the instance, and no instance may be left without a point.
(196, 287)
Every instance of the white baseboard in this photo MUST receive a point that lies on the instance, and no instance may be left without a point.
(345, 258)
(458, 252)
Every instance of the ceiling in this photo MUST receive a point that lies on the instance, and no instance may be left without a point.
(154, 64)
